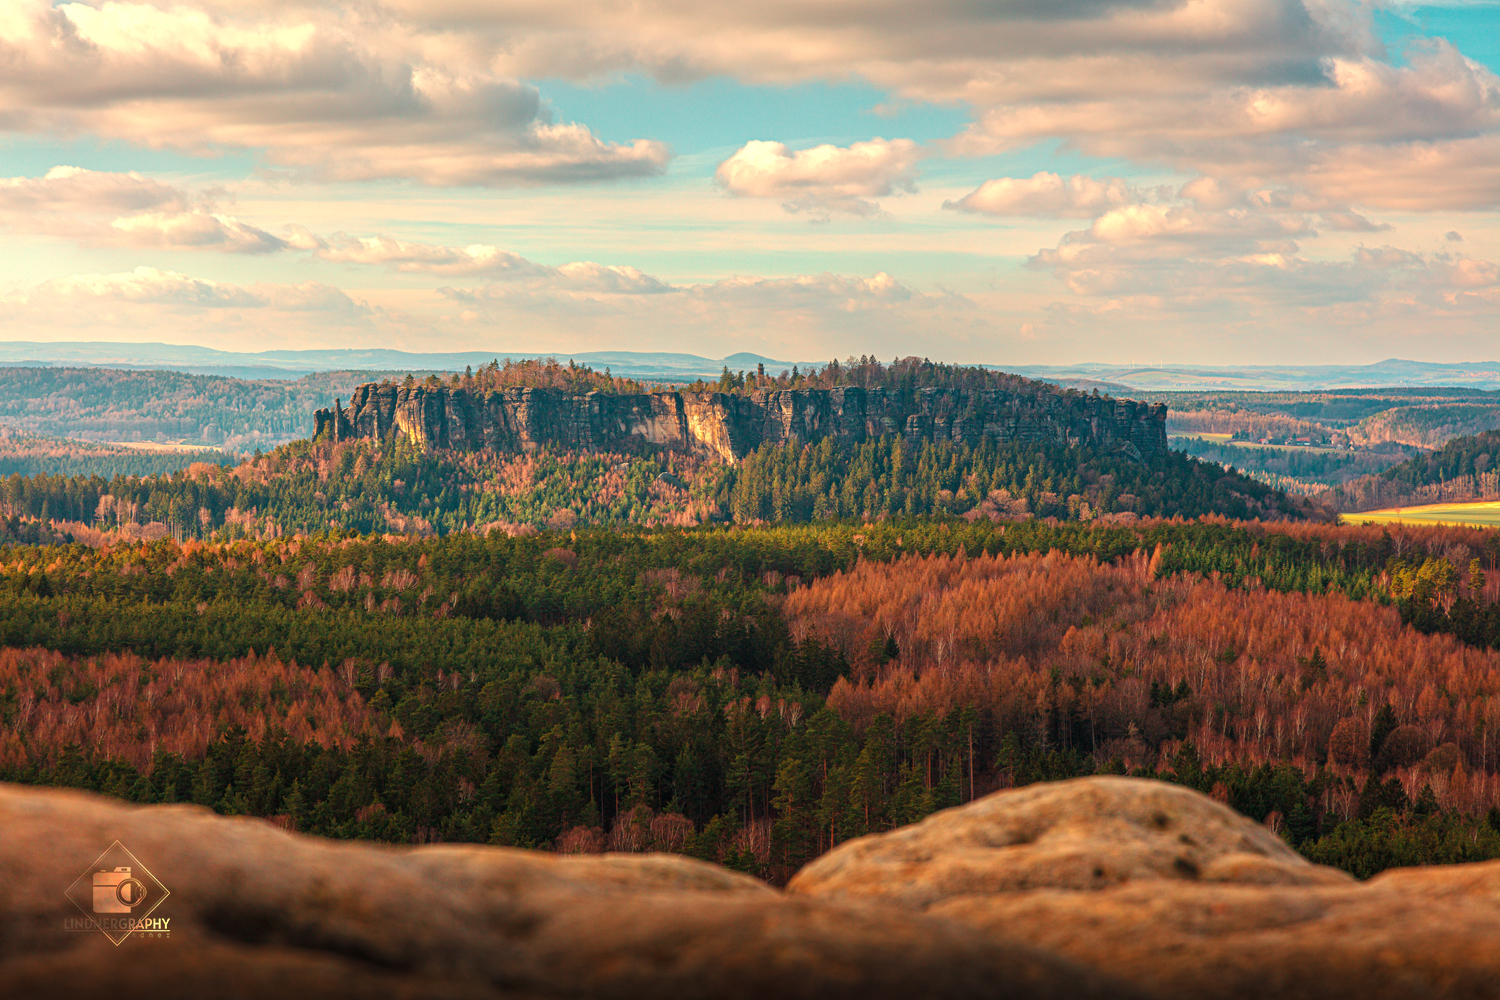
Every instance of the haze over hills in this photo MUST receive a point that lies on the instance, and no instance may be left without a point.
(196, 360)
(1391, 372)
(663, 366)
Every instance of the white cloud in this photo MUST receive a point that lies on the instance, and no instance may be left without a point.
(1287, 92)
(800, 315)
(1190, 257)
(182, 230)
(148, 285)
(75, 191)
(1422, 136)
(151, 304)
(1047, 195)
(825, 178)
(531, 308)
(420, 257)
(142, 285)
(78, 204)
(344, 93)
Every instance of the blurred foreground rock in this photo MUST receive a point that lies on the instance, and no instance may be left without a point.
(1098, 887)
(256, 912)
(1177, 894)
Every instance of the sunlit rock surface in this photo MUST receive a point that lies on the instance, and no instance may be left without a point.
(1177, 894)
(730, 426)
(256, 912)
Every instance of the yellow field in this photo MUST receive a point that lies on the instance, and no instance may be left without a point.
(167, 446)
(1479, 514)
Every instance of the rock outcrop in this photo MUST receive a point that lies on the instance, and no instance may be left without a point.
(255, 912)
(1178, 895)
(730, 425)
(1092, 888)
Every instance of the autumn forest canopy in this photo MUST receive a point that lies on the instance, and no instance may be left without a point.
(747, 662)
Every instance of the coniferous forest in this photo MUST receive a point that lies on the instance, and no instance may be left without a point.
(748, 663)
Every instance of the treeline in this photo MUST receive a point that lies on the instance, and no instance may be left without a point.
(110, 404)
(536, 373)
(661, 688)
(1247, 425)
(398, 487)
(904, 374)
(24, 455)
(1427, 426)
(1473, 456)
(1308, 470)
(890, 477)
(1333, 409)
(1463, 469)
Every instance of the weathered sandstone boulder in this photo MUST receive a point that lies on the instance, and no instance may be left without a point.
(1179, 895)
(256, 912)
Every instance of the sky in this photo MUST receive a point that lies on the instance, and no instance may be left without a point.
(1212, 182)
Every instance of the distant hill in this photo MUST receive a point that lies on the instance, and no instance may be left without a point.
(111, 404)
(668, 366)
(1390, 373)
(189, 359)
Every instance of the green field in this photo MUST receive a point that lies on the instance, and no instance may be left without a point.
(1224, 439)
(1479, 514)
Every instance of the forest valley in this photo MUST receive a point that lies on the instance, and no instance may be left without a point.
(755, 694)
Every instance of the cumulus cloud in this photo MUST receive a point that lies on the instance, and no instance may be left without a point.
(420, 257)
(1047, 195)
(1293, 92)
(149, 303)
(535, 307)
(814, 311)
(600, 283)
(85, 205)
(1422, 136)
(148, 285)
(823, 179)
(1194, 256)
(343, 93)
(65, 190)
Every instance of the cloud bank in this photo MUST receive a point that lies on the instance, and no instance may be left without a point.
(343, 93)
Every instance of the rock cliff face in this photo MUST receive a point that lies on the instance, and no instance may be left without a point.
(1092, 888)
(730, 426)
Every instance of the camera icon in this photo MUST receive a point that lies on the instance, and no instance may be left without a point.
(116, 891)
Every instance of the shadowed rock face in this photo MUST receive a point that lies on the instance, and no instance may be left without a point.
(1179, 895)
(258, 913)
(730, 426)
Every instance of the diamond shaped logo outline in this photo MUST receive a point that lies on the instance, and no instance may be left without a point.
(115, 936)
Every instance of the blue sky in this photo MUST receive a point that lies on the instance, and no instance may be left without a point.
(1229, 181)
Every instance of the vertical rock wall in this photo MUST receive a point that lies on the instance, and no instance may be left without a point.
(730, 426)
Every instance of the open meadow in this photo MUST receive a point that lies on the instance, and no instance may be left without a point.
(1478, 514)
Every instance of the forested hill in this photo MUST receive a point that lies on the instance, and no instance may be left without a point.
(1463, 469)
(109, 404)
(399, 488)
(1472, 456)
(1053, 454)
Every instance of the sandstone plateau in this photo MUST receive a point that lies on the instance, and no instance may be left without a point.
(1096, 887)
(730, 426)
